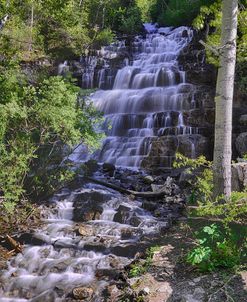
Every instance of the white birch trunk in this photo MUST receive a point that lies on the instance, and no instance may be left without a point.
(31, 28)
(223, 100)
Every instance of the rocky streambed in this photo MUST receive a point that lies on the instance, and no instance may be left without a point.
(89, 237)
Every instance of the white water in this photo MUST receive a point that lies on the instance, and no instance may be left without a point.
(148, 93)
(144, 95)
(62, 262)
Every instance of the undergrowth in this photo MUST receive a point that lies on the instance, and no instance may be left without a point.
(140, 268)
(222, 244)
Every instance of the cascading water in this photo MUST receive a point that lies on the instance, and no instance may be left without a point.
(66, 260)
(148, 98)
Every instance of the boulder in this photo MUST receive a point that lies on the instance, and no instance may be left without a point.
(148, 179)
(87, 205)
(135, 221)
(243, 119)
(150, 206)
(83, 293)
(193, 145)
(109, 168)
(91, 212)
(85, 230)
(239, 176)
(112, 293)
(122, 215)
(241, 143)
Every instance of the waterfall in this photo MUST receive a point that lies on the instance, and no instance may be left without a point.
(148, 99)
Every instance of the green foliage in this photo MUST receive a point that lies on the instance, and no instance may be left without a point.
(177, 13)
(17, 216)
(131, 23)
(36, 123)
(145, 8)
(216, 248)
(140, 268)
(202, 180)
(210, 16)
(124, 17)
(234, 210)
(104, 37)
(63, 29)
(191, 163)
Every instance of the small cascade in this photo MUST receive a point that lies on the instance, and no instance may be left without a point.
(149, 99)
(98, 69)
(69, 258)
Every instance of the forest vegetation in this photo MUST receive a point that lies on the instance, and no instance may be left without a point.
(42, 115)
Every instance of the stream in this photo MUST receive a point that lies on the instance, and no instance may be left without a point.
(89, 234)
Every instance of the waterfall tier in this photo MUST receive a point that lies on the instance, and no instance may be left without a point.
(150, 98)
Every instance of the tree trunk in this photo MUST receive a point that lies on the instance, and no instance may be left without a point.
(223, 100)
(31, 29)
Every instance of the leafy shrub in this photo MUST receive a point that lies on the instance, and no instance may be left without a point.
(131, 22)
(202, 182)
(210, 16)
(140, 268)
(216, 249)
(145, 8)
(36, 123)
(104, 37)
(177, 13)
(234, 210)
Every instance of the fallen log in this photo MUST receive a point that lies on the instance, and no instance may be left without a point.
(17, 247)
(148, 194)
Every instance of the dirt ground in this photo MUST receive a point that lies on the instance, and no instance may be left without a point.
(170, 279)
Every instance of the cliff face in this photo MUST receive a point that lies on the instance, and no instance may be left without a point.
(187, 126)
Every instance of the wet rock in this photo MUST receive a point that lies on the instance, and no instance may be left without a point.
(202, 77)
(27, 238)
(185, 34)
(83, 293)
(149, 205)
(85, 230)
(122, 215)
(241, 143)
(109, 168)
(98, 247)
(128, 250)
(91, 213)
(148, 179)
(115, 262)
(186, 178)
(157, 188)
(189, 144)
(87, 205)
(87, 198)
(135, 221)
(60, 266)
(107, 274)
(126, 233)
